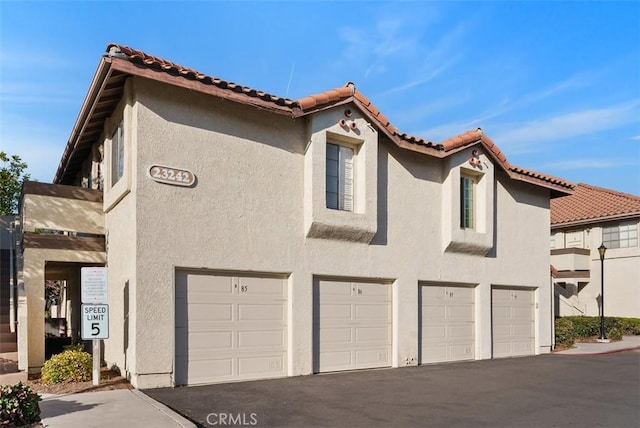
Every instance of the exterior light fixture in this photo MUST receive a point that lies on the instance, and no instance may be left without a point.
(602, 250)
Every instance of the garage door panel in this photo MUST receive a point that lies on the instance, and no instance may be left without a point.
(368, 358)
(220, 340)
(461, 312)
(524, 313)
(226, 333)
(252, 312)
(501, 314)
(339, 312)
(501, 295)
(336, 360)
(434, 333)
(380, 334)
(374, 312)
(460, 332)
(335, 288)
(447, 323)
(522, 330)
(263, 365)
(460, 352)
(261, 287)
(433, 294)
(433, 312)
(210, 312)
(522, 296)
(339, 335)
(352, 327)
(207, 286)
(435, 354)
(371, 290)
(210, 370)
(273, 339)
(521, 348)
(513, 317)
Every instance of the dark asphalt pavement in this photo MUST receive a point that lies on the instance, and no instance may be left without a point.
(543, 391)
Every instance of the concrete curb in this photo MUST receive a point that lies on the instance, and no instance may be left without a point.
(587, 354)
(180, 420)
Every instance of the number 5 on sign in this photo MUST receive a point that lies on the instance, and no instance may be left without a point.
(95, 322)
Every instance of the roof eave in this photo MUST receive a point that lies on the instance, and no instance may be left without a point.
(595, 220)
(126, 66)
(97, 83)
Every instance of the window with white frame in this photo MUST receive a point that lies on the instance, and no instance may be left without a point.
(467, 202)
(622, 235)
(340, 176)
(552, 242)
(117, 154)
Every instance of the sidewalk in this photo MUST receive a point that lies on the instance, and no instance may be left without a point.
(117, 408)
(132, 408)
(626, 344)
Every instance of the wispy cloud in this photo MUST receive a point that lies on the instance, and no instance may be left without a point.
(372, 46)
(594, 163)
(441, 55)
(568, 125)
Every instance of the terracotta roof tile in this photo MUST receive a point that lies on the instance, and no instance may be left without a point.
(312, 103)
(153, 62)
(590, 203)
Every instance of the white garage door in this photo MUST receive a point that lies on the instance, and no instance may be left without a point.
(229, 328)
(447, 323)
(513, 318)
(352, 325)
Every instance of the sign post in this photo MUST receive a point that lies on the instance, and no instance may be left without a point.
(95, 311)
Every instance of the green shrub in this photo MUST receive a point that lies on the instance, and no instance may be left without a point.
(568, 329)
(565, 332)
(18, 405)
(69, 366)
(77, 347)
(585, 326)
(630, 326)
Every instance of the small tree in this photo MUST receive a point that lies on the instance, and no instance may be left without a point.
(12, 175)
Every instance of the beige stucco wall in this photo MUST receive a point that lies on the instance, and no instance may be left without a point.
(47, 212)
(247, 213)
(621, 275)
(31, 300)
(122, 244)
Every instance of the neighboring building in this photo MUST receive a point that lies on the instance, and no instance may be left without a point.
(580, 223)
(8, 337)
(250, 236)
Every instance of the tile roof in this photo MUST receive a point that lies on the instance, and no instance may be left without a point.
(122, 61)
(589, 204)
(159, 64)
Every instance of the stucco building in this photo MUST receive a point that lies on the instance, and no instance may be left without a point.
(580, 223)
(251, 236)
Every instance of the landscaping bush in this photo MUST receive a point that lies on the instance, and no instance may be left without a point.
(570, 329)
(18, 405)
(630, 326)
(69, 366)
(77, 347)
(565, 332)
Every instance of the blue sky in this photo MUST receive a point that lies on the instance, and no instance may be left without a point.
(556, 85)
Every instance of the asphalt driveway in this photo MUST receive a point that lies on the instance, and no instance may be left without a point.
(543, 391)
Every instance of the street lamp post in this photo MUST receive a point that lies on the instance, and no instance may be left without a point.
(602, 250)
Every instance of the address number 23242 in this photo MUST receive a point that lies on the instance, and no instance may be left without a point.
(169, 175)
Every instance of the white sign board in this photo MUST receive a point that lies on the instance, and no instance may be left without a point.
(95, 322)
(93, 285)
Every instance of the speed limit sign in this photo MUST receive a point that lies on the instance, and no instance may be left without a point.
(95, 322)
